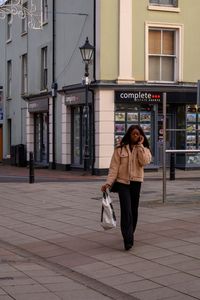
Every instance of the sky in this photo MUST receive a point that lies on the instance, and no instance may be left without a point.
(2, 1)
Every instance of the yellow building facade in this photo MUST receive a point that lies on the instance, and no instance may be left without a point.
(144, 49)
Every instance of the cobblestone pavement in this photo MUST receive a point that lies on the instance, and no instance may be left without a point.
(53, 247)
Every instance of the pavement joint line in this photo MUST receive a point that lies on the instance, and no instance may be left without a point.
(80, 278)
(83, 279)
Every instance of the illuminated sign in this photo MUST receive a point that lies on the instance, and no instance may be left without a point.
(139, 97)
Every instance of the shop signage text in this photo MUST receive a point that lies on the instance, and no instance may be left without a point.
(133, 96)
(70, 100)
(77, 98)
(38, 105)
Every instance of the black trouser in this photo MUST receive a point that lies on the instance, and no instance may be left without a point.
(129, 196)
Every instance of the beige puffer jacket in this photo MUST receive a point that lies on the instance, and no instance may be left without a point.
(128, 166)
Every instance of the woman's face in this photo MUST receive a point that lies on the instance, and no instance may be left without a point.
(135, 136)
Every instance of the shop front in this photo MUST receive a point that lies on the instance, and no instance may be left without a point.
(39, 113)
(185, 130)
(138, 107)
(145, 108)
(75, 105)
(1, 125)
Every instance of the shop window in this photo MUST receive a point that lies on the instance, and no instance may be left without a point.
(127, 116)
(192, 133)
(163, 62)
(44, 69)
(24, 74)
(164, 2)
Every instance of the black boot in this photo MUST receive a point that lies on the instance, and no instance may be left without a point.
(128, 245)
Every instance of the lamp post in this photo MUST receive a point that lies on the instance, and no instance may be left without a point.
(87, 51)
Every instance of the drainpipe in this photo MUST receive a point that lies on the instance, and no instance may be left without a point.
(54, 85)
(94, 77)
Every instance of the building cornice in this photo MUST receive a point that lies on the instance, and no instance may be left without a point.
(140, 86)
(29, 97)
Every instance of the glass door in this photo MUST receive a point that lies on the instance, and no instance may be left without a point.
(192, 135)
(77, 136)
(41, 138)
(1, 142)
(170, 136)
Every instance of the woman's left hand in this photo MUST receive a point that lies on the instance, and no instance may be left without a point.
(105, 187)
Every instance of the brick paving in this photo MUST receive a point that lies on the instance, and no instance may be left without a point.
(53, 247)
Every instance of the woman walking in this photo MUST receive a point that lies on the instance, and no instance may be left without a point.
(127, 171)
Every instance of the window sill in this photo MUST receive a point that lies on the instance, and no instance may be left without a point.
(24, 33)
(161, 82)
(45, 23)
(9, 41)
(24, 94)
(164, 8)
(8, 98)
(44, 90)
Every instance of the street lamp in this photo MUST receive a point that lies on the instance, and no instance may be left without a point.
(87, 51)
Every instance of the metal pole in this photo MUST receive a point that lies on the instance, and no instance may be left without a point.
(86, 148)
(164, 145)
(31, 168)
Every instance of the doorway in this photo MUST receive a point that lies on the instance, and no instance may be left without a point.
(1, 142)
(78, 135)
(170, 136)
(41, 121)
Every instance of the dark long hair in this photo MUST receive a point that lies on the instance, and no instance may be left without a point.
(126, 140)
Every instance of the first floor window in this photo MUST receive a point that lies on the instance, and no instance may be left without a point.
(44, 69)
(9, 78)
(24, 74)
(162, 54)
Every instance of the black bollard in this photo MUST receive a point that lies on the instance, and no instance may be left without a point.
(172, 166)
(31, 168)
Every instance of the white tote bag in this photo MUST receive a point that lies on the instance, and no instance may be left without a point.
(108, 218)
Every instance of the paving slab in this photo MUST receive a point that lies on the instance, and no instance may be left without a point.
(51, 240)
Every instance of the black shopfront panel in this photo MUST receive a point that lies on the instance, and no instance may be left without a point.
(182, 122)
(140, 108)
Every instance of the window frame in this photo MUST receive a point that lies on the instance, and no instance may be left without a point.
(163, 4)
(9, 79)
(44, 9)
(164, 7)
(44, 68)
(9, 27)
(24, 24)
(178, 63)
(24, 73)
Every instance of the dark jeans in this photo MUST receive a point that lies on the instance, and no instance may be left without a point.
(129, 196)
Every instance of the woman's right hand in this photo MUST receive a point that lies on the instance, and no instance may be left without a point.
(105, 187)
